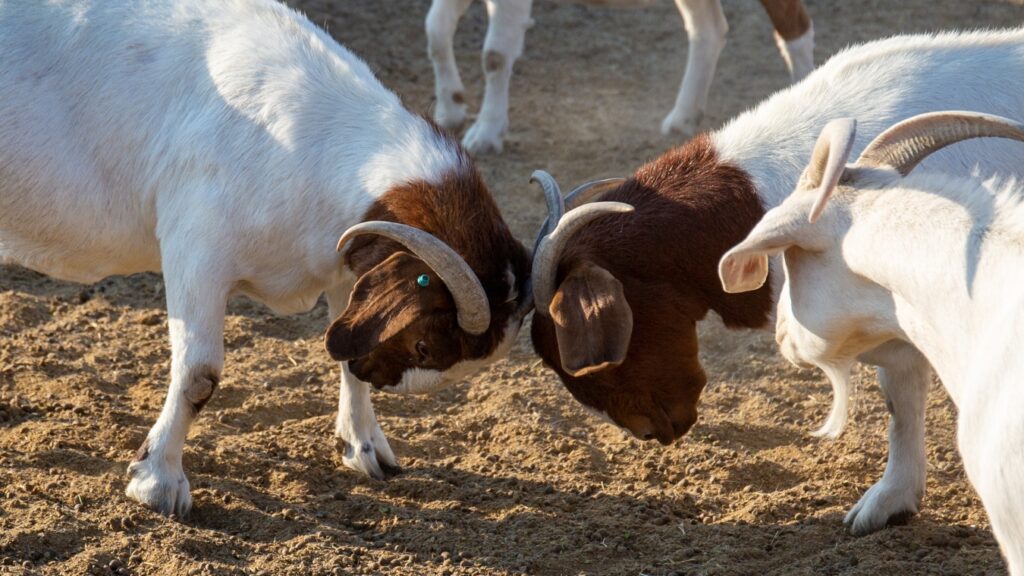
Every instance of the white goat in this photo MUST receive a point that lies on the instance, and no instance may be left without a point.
(924, 258)
(508, 20)
(228, 143)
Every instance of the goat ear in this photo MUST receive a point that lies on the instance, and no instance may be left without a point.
(828, 161)
(745, 267)
(593, 321)
(385, 301)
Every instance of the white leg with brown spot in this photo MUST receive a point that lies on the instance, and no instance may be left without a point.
(904, 375)
(506, 31)
(361, 440)
(706, 27)
(195, 310)
(442, 20)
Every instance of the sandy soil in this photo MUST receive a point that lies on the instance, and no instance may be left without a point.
(504, 474)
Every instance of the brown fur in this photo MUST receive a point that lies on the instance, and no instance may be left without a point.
(593, 321)
(690, 209)
(390, 321)
(789, 17)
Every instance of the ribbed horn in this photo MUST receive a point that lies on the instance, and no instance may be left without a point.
(552, 196)
(588, 191)
(904, 145)
(577, 197)
(471, 305)
(550, 247)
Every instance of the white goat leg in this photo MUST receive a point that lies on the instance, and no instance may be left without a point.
(195, 311)
(506, 30)
(904, 376)
(989, 442)
(449, 93)
(364, 446)
(706, 28)
(798, 54)
(794, 35)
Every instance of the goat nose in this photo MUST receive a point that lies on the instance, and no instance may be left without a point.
(640, 426)
(683, 416)
(662, 424)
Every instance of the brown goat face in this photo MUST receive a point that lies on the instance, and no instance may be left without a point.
(654, 390)
(402, 336)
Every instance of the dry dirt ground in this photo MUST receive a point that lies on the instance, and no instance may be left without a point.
(504, 474)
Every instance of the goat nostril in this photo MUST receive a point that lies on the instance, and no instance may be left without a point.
(649, 436)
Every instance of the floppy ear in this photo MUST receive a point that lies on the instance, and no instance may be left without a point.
(593, 321)
(385, 300)
(745, 267)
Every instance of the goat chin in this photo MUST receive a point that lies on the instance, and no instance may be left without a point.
(839, 376)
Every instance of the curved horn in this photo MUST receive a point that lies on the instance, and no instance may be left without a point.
(829, 160)
(577, 196)
(907, 143)
(474, 312)
(589, 191)
(552, 195)
(556, 210)
(549, 249)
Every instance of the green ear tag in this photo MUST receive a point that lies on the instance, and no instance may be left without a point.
(423, 281)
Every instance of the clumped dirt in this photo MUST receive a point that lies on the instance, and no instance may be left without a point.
(504, 474)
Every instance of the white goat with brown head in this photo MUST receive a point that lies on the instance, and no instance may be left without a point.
(923, 258)
(228, 145)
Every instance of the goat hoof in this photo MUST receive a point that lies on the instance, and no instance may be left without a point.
(674, 125)
(450, 116)
(484, 138)
(390, 471)
(377, 462)
(882, 505)
(159, 486)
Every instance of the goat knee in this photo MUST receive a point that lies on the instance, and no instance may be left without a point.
(200, 383)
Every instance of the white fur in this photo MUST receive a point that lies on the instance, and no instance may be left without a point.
(366, 449)
(506, 30)
(935, 262)
(880, 83)
(798, 54)
(226, 143)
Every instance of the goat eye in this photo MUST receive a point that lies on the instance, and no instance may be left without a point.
(513, 294)
(422, 351)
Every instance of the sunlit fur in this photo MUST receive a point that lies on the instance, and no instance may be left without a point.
(937, 262)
